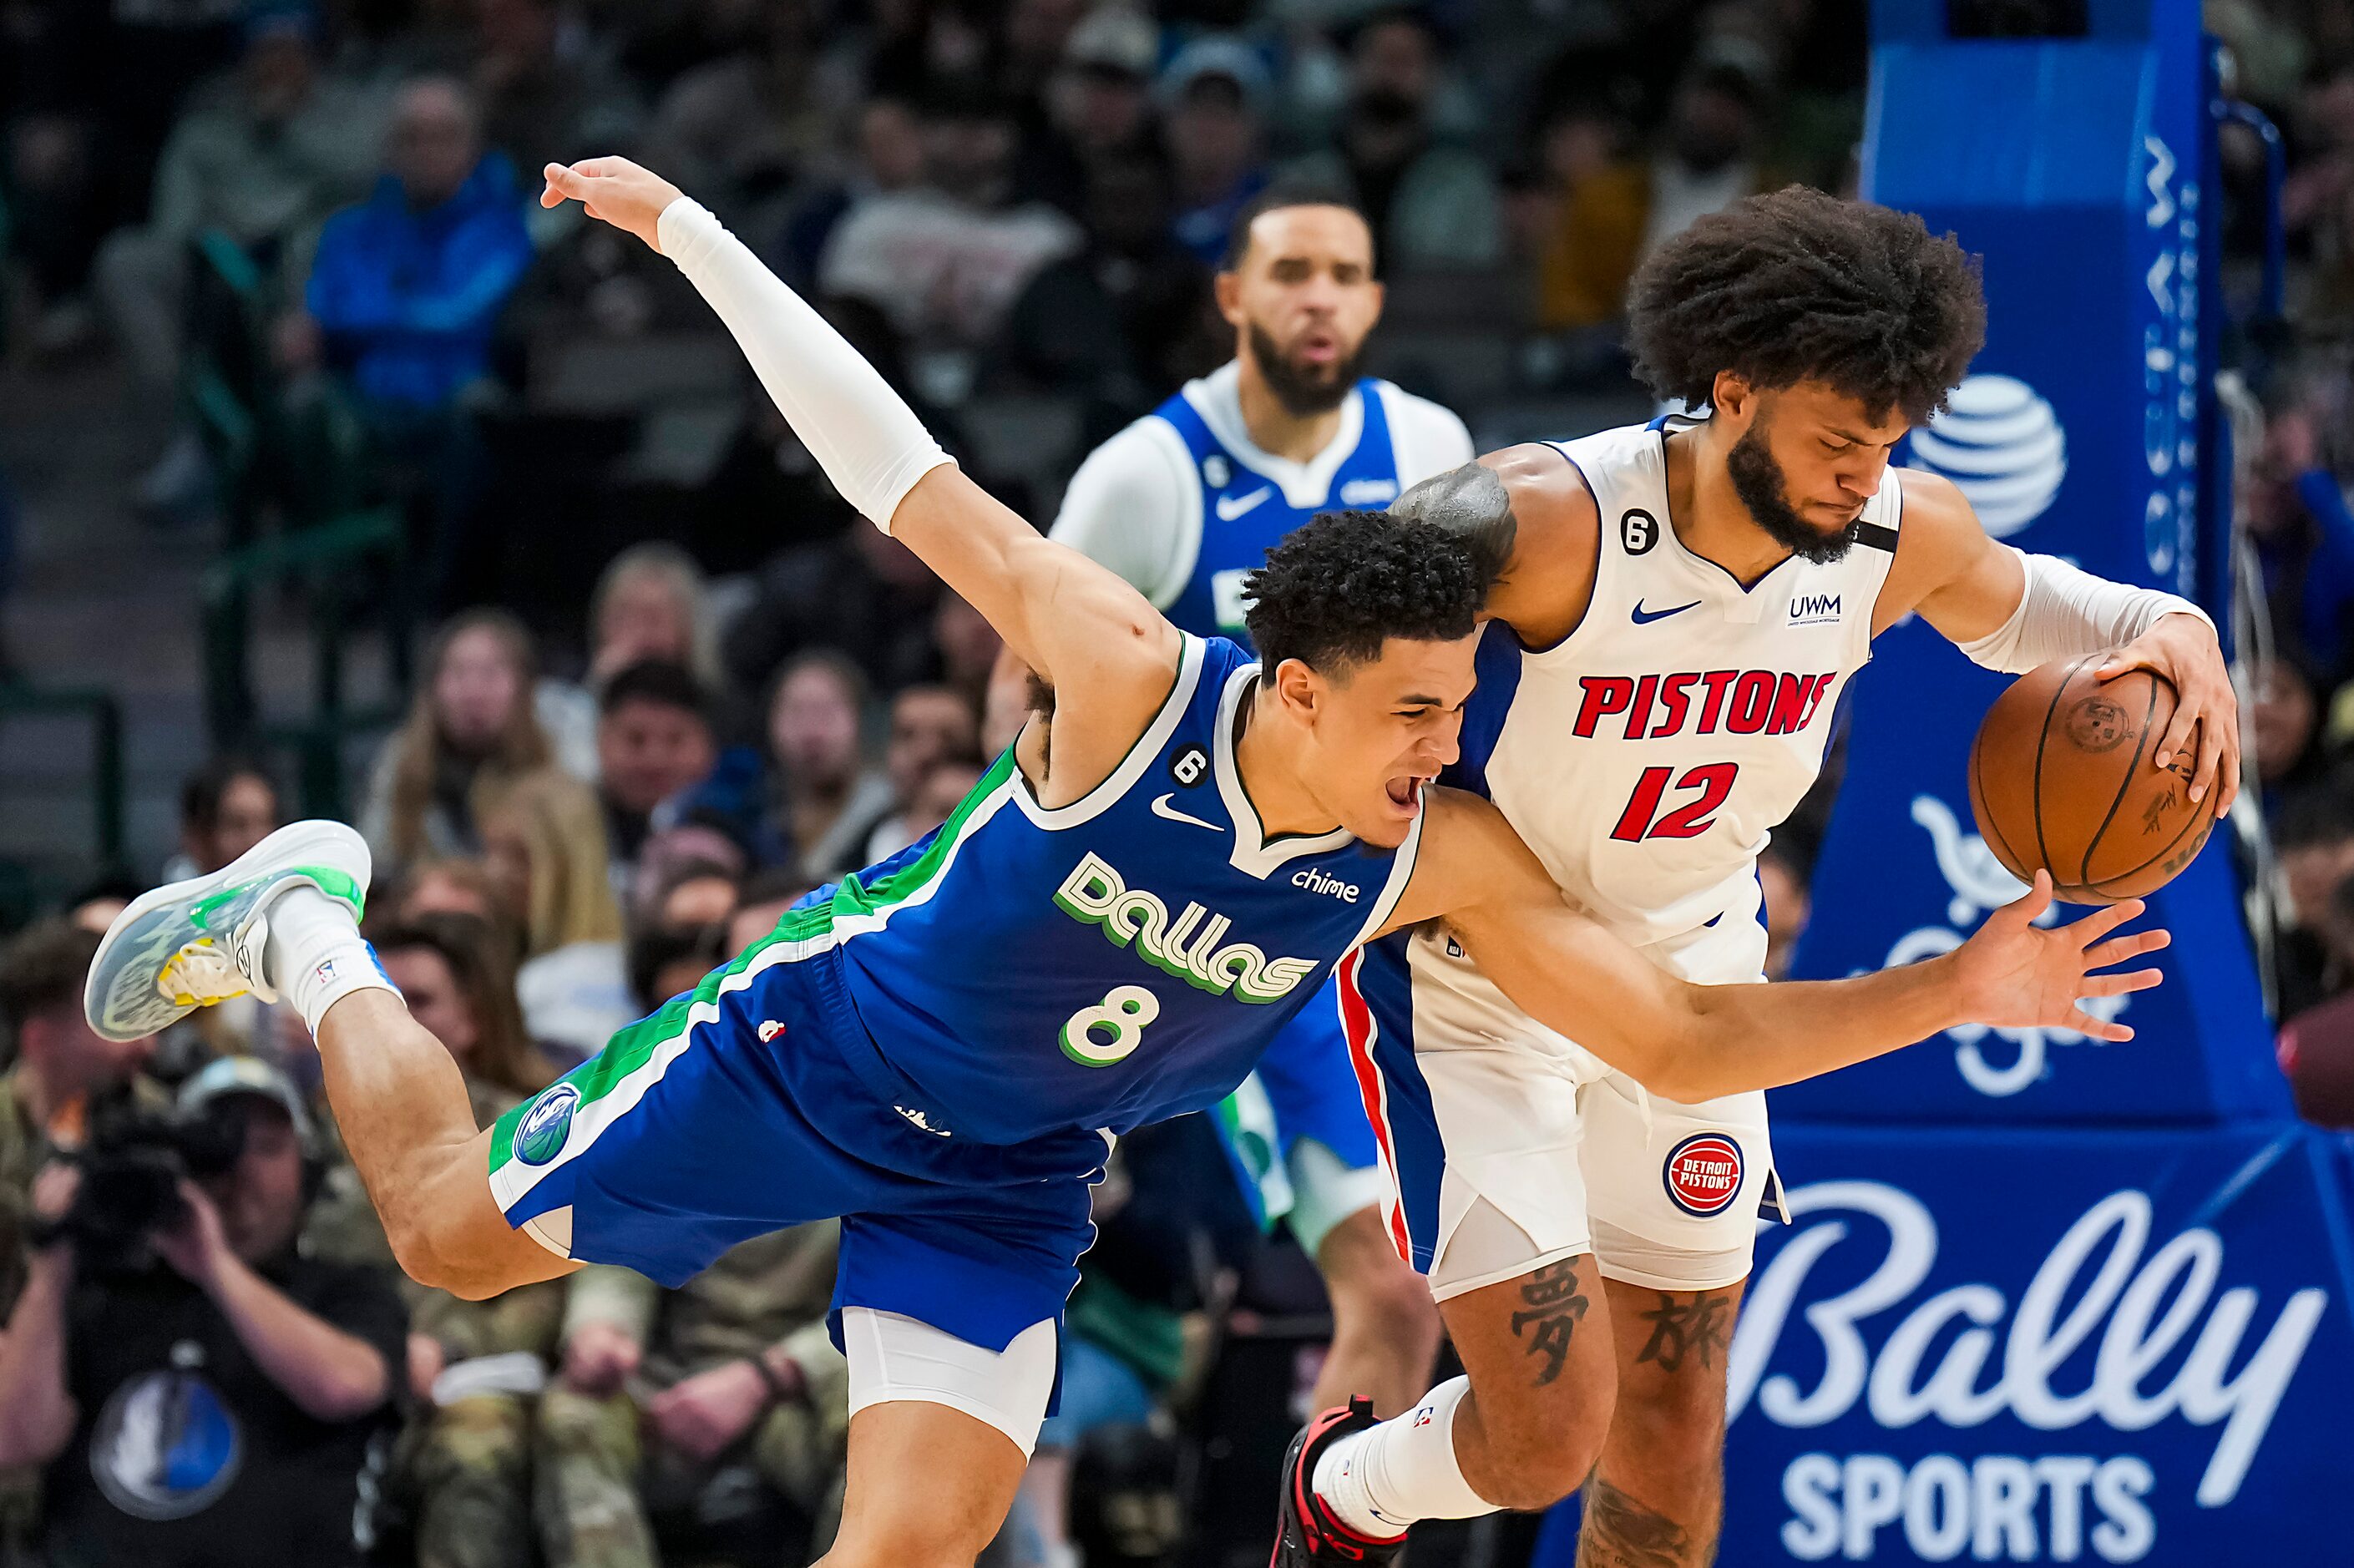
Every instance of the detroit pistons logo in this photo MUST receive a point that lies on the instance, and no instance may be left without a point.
(1704, 1174)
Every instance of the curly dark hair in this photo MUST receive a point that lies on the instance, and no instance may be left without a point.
(1342, 582)
(1800, 286)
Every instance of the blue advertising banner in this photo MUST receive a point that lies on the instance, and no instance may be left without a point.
(2040, 1346)
(2074, 167)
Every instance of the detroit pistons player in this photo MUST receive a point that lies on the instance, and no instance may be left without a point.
(1681, 606)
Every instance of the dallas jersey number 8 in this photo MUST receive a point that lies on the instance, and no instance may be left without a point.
(1122, 1015)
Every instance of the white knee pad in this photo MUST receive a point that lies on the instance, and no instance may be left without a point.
(894, 1356)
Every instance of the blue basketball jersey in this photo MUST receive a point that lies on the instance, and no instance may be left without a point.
(1244, 512)
(1111, 962)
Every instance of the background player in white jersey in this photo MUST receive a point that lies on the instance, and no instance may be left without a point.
(1185, 504)
(1682, 604)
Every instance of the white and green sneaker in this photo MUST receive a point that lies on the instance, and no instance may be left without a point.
(195, 943)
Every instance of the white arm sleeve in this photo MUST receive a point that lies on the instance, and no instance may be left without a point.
(863, 434)
(1127, 509)
(2065, 612)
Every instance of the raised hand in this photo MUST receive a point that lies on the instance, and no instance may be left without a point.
(2012, 976)
(615, 191)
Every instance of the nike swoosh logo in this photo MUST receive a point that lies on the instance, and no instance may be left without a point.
(1229, 508)
(1161, 808)
(1644, 617)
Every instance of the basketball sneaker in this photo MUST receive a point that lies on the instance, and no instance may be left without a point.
(1306, 1533)
(191, 944)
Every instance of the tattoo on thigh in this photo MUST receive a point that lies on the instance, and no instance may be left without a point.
(1556, 1305)
(1621, 1533)
(1701, 1328)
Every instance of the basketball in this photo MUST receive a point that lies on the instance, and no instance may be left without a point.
(2060, 779)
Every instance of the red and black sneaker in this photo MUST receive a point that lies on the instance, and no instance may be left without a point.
(1306, 1533)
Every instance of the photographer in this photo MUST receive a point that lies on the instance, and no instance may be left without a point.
(199, 1391)
(56, 1063)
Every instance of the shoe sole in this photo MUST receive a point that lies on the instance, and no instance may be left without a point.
(120, 998)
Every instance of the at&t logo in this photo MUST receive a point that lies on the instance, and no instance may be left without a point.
(2000, 443)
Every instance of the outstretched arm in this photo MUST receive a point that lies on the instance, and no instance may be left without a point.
(2013, 611)
(1692, 1043)
(1107, 652)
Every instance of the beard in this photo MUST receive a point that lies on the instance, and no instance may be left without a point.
(1757, 480)
(1303, 389)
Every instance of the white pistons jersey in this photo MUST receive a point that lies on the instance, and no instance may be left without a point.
(1646, 758)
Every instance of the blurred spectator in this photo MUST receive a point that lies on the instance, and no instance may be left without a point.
(474, 1368)
(227, 807)
(671, 874)
(741, 130)
(2318, 199)
(2313, 837)
(544, 838)
(2317, 1045)
(406, 286)
(469, 730)
(968, 647)
(401, 304)
(1709, 155)
(760, 902)
(930, 725)
(56, 1063)
(648, 604)
(862, 594)
(665, 962)
(1430, 205)
(696, 895)
(2304, 536)
(825, 799)
(886, 154)
(1007, 705)
(571, 985)
(653, 742)
(263, 156)
(459, 887)
(1214, 97)
(206, 1392)
(1098, 105)
(543, 102)
(943, 261)
(1125, 317)
(2282, 722)
(1589, 213)
(738, 1390)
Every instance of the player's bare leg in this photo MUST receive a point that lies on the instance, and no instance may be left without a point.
(1657, 1499)
(281, 922)
(1385, 1327)
(401, 1107)
(1538, 1351)
(929, 1486)
(1521, 1430)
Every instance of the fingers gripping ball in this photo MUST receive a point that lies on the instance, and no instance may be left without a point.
(2061, 780)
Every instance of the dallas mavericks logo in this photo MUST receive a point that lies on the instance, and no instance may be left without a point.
(166, 1446)
(539, 1137)
(2000, 443)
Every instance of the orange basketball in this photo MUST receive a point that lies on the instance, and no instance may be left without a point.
(2062, 778)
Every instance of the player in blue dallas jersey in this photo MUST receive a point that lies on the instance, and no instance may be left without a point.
(1185, 504)
(1107, 931)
